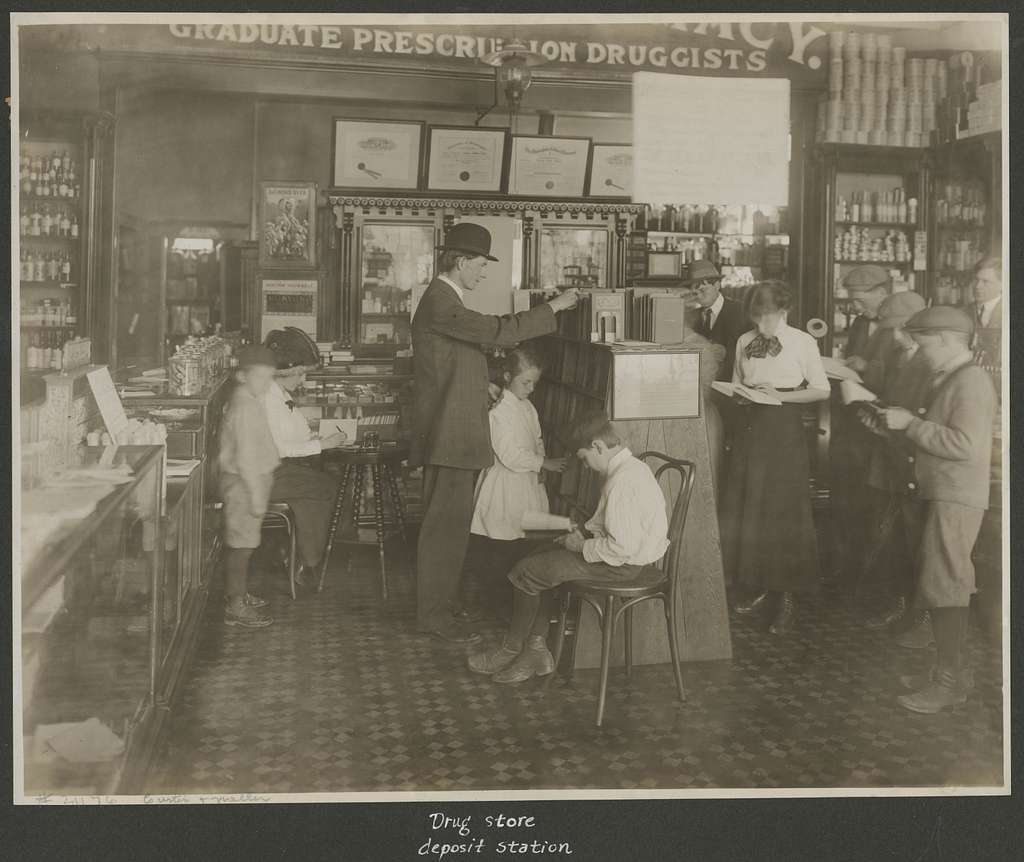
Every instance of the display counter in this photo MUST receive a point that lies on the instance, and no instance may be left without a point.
(380, 403)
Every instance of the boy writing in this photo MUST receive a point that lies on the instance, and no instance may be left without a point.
(629, 531)
(248, 458)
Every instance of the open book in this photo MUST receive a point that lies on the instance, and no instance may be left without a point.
(838, 371)
(852, 391)
(546, 522)
(754, 395)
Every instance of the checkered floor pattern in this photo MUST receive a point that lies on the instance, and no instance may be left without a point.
(341, 694)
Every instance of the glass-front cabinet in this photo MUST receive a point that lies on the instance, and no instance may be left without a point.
(396, 263)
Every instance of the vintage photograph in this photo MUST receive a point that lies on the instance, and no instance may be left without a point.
(706, 496)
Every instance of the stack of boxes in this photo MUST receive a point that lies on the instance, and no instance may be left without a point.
(973, 102)
(876, 96)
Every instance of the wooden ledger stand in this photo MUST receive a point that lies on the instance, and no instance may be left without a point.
(579, 376)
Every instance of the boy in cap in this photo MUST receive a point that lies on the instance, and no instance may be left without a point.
(247, 459)
(952, 439)
(630, 531)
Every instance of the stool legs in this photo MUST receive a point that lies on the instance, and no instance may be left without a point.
(293, 554)
(607, 630)
(563, 617)
(339, 507)
(378, 512)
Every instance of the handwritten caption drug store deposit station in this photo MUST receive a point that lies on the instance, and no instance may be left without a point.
(494, 835)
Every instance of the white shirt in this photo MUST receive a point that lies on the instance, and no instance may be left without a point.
(798, 361)
(716, 309)
(630, 525)
(288, 427)
(511, 485)
(453, 286)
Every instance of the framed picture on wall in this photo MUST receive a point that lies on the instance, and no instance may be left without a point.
(466, 159)
(611, 171)
(382, 155)
(291, 298)
(548, 167)
(287, 225)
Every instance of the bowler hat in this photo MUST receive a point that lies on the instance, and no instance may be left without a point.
(256, 354)
(471, 238)
(897, 309)
(702, 270)
(866, 278)
(940, 318)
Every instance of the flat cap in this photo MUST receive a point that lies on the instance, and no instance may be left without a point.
(256, 354)
(942, 318)
(866, 278)
(897, 309)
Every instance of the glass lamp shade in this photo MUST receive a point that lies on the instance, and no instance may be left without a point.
(515, 79)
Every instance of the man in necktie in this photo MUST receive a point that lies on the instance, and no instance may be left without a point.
(721, 320)
(868, 286)
(987, 311)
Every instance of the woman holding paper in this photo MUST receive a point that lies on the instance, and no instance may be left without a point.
(769, 545)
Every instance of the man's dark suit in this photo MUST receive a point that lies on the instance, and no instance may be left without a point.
(987, 344)
(859, 335)
(728, 326)
(451, 431)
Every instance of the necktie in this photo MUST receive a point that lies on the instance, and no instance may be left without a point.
(760, 347)
(706, 322)
(979, 315)
(291, 404)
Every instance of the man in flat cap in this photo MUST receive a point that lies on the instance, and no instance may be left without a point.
(951, 436)
(720, 320)
(868, 286)
(451, 432)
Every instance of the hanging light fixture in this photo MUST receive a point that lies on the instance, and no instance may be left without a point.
(512, 63)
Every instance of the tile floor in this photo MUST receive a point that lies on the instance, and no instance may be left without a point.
(341, 694)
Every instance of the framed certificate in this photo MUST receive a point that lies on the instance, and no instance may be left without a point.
(466, 159)
(375, 154)
(611, 171)
(548, 167)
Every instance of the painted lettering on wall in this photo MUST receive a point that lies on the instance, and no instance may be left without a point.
(727, 48)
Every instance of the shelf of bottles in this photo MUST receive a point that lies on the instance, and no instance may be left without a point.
(876, 221)
(962, 231)
(50, 225)
(396, 264)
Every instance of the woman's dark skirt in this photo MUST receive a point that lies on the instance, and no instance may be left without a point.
(768, 539)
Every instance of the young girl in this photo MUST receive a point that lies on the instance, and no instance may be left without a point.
(768, 540)
(512, 485)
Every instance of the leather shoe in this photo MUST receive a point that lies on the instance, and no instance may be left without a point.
(888, 617)
(918, 636)
(785, 618)
(945, 691)
(752, 606)
(454, 635)
(918, 682)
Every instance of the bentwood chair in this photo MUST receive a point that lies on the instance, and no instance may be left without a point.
(657, 581)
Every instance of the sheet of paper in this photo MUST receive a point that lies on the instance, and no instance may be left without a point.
(349, 427)
(655, 385)
(545, 521)
(754, 395)
(851, 391)
(108, 402)
(838, 371)
(721, 140)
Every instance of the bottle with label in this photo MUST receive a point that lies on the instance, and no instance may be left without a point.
(65, 268)
(74, 226)
(24, 223)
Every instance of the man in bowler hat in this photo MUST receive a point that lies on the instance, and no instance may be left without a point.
(451, 434)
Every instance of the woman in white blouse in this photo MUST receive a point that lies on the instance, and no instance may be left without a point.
(512, 485)
(768, 540)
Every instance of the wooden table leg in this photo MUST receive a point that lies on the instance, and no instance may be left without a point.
(378, 511)
(339, 507)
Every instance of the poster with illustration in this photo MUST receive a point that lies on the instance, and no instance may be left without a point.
(287, 218)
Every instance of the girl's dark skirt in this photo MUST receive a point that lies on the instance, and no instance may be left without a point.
(768, 539)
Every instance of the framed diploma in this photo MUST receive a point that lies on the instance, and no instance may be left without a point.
(548, 167)
(375, 154)
(611, 171)
(466, 159)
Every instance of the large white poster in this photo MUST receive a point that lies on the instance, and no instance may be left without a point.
(710, 140)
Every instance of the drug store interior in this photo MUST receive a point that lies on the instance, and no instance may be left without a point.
(190, 187)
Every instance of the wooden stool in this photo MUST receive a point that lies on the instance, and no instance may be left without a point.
(382, 464)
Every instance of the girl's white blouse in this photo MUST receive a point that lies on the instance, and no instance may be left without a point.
(511, 485)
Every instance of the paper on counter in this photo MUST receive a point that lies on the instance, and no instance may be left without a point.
(348, 427)
(545, 521)
(79, 742)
